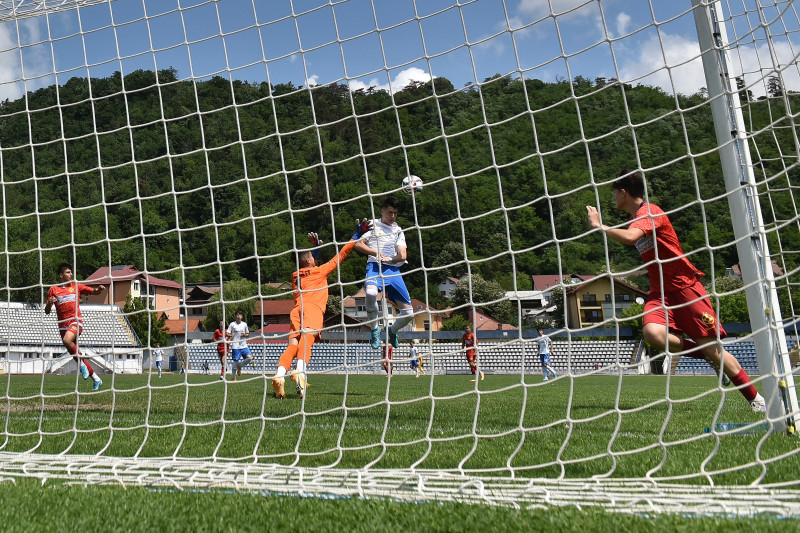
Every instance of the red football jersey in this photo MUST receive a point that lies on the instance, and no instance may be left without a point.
(677, 271)
(469, 341)
(387, 351)
(219, 335)
(68, 302)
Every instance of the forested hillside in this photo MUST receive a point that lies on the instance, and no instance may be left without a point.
(197, 181)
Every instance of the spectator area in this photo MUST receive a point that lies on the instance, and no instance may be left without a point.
(501, 358)
(743, 351)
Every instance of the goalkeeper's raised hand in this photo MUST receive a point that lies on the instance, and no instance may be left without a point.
(316, 242)
(362, 227)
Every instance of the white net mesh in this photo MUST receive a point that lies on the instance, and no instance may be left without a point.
(200, 141)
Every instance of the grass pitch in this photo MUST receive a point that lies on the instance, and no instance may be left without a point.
(577, 427)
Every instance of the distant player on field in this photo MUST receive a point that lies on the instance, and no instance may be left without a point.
(221, 336)
(468, 344)
(310, 285)
(240, 353)
(415, 358)
(159, 357)
(387, 360)
(66, 297)
(385, 246)
(685, 307)
(544, 354)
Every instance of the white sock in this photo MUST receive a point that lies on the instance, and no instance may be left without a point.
(301, 366)
(371, 303)
(95, 376)
(281, 372)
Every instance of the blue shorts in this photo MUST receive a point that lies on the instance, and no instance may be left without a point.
(158, 364)
(237, 353)
(414, 363)
(391, 280)
(544, 358)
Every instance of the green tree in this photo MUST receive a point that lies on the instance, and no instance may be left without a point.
(235, 295)
(486, 296)
(149, 327)
(733, 306)
(454, 323)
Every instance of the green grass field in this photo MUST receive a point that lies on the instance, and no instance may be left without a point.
(575, 428)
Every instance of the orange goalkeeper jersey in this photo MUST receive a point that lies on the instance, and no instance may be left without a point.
(311, 284)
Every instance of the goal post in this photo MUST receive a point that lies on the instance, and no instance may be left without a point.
(748, 224)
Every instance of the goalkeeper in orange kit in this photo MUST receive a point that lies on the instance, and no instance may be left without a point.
(310, 284)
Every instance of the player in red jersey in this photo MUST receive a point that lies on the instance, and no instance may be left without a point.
(468, 343)
(678, 304)
(387, 360)
(66, 297)
(220, 335)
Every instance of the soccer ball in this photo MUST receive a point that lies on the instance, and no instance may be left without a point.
(412, 184)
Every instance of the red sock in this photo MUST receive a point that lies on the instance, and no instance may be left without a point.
(749, 392)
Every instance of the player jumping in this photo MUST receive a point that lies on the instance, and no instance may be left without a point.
(310, 284)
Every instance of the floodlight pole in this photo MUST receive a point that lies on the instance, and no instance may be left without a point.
(748, 225)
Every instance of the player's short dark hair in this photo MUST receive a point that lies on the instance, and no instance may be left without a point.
(631, 181)
(62, 267)
(390, 201)
(238, 312)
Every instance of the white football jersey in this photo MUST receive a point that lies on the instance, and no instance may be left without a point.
(386, 239)
(544, 344)
(238, 341)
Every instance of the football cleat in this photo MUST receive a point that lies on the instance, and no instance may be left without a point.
(758, 405)
(84, 371)
(482, 376)
(278, 387)
(393, 338)
(300, 384)
(375, 339)
(726, 381)
(97, 384)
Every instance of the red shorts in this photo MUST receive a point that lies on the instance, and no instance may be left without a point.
(471, 356)
(74, 327)
(688, 311)
(221, 352)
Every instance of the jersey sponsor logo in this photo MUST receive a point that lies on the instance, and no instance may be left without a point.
(645, 244)
(709, 320)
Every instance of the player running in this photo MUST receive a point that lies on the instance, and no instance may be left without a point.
(544, 355)
(468, 344)
(679, 305)
(385, 246)
(310, 284)
(387, 360)
(66, 297)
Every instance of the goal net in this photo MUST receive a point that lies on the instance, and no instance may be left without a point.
(201, 141)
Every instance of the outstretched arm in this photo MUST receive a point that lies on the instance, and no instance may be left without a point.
(627, 236)
(362, 227)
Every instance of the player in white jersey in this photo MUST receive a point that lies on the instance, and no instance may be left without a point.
(544, 355)
(159, 357)
(239, 332)
(385, 245)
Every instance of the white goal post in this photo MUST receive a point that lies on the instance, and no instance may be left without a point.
(201, 141)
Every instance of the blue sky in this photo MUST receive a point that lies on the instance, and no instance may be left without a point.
(382, 43)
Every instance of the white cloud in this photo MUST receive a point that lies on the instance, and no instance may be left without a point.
(623, 22)
(400, 82)
(541, 8)
(312, 81)
(9, 66)
(647, 65)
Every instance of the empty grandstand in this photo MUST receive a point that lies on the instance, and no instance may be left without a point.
(30, 342)
(511, 357)
(743, 350)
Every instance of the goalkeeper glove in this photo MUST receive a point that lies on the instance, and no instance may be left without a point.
(316, 242)
(362, 227)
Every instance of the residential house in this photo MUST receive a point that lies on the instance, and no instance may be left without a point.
(533, 304)
(595, 301)
(447, 286)
(197, 298)
(162, 295)
(273, 312)
(736, 272)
